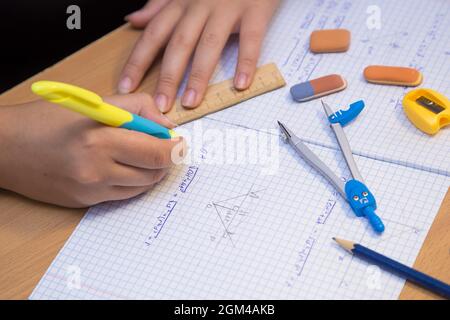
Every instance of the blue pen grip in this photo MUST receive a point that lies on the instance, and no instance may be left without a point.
(374, 220)
(147, 126)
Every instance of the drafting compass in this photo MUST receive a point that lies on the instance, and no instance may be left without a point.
(356, 193)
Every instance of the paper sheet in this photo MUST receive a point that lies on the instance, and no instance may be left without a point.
(263, 229)
(412, 33)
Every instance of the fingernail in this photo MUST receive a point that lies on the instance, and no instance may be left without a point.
(241, 81)
(172, 124)
(125, 85)
(161, 102)
(189, 98)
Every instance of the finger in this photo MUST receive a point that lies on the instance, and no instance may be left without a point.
(141, 104)
(141, 17)
(141, 150)
(252, 31)
(123, 175)
(177, 54)
(122, 193)
(207, 55)
(154, 37)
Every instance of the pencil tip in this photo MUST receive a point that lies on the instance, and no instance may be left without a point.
(346, 244)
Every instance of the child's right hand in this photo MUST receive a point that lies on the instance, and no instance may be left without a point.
(57, 156)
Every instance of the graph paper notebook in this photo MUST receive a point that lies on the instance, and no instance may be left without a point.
(262, 229)
(383, 132)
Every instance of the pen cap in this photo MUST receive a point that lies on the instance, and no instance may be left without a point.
(57, 91)
(82, 101)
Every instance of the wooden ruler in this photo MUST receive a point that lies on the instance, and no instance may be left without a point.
(223, 95)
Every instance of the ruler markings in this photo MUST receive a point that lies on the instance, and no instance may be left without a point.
(223, 95)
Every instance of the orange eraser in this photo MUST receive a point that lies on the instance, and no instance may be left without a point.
(400, 76)
(318, 87)
(329, 40)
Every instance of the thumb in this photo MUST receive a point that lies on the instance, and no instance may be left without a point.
(141, 104)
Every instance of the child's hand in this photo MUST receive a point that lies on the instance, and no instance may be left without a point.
(200, 25)
(58, 156)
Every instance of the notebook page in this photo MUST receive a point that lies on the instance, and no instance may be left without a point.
(264, 230)
(242, 231)
(412, 33)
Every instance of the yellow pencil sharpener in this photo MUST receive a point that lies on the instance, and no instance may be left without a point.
(427, 109)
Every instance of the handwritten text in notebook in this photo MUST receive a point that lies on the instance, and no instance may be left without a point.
(237, 233)
(231, 231)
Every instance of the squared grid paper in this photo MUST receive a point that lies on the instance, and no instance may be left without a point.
(274, 217)
(238, 233)
(382, 131)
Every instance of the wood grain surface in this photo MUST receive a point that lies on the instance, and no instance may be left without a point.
(32, 233)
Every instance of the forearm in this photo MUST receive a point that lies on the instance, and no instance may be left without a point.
(7, 134)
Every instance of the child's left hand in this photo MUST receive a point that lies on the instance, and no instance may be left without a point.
(202, 26)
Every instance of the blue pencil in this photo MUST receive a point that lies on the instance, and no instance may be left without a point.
(406, 272)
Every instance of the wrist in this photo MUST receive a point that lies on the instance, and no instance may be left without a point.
(6, 117)
(7, 120)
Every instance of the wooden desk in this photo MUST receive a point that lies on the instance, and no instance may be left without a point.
(32, 233)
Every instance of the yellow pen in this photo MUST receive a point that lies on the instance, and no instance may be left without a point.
(91, 105)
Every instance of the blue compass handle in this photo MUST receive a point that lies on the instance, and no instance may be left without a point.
(345, 116)
(363, 203)
(375, 221)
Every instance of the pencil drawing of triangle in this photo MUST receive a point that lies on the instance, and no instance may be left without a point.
(233, 211)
